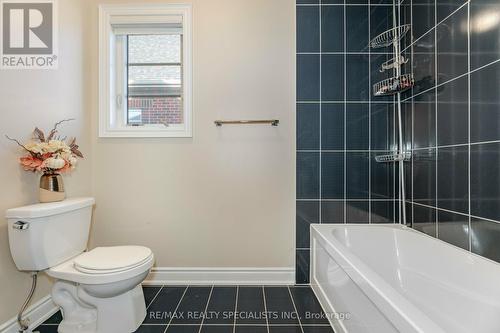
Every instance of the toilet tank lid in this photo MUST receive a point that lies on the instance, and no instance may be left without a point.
(48, 209)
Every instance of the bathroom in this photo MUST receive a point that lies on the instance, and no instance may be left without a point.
(323, 166)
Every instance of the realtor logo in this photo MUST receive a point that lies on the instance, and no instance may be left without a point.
(29, 34)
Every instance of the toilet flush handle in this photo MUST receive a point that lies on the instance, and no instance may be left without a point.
(20, 225)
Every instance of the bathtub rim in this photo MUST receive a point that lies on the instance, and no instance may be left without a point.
(471, 254)
(400, 312)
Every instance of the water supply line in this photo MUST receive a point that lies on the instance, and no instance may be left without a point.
(24, 323)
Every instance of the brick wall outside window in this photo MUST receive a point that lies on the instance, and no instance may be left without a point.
(162, 110)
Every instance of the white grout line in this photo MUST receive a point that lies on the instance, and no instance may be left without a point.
(265, 308)
(342, 53)
(320, 176)
(400, 122)
(412, 121)
(453, 79)
(342, 151)
(457, 145)
(370, 209)
(469, 126)
(295, 308)
(339, 4)
(154, 298)
(345, 111)
(342, 200)
(457, 213)
(436, 116)
(236, 308)
(346, 102)
(394, 177)
(176, 308)
(206, 308)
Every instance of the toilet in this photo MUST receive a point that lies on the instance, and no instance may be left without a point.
(99, 291)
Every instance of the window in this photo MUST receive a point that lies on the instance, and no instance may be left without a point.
(145, 71)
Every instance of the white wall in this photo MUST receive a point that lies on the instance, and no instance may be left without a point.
(224, 198)
(30, 98)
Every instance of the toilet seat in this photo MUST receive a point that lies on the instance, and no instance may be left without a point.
(105, 265)
(104, 260)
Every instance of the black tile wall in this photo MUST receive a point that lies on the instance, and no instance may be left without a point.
(308, 126)
(332, 212)
(453, 228)
(357, 175)
(381, 120)
(423, 13)
(423, 61)
(424, 220)
(424, 176)
(485, 180)
(332, 29)
(302, 266)
(357, 126)
(424, 120)
(452, 173)
(357, 80)
(453, 128)
(358, 28)
(484, 34)
(333, 175)
(382, 180)
(332, 77)
(307, 213)
(453, 113)
(332, 123)
(308, 175)
(308, 77)
(357, 211)
(382, 211)
(452, 44)
(380, 21)
(340, 126)
(445, 8)
(485, 237)
(308, 36)
(485, 102)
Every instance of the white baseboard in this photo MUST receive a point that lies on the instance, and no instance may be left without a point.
(221, 276)
(37, 314)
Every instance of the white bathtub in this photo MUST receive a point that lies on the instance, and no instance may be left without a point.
(390, 278)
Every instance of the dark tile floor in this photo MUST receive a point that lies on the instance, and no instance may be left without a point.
(232, 309)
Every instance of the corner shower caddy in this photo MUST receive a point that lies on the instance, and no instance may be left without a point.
(399, 82)
(395, 86)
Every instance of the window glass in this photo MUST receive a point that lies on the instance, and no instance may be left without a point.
(155, 110)
(154, 80)
(154, 48)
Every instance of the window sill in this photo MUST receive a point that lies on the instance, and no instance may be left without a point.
(142, 132)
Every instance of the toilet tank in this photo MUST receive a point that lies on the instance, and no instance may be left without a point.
(47, 234)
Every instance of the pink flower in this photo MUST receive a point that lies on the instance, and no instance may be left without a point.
(31, 163)
(65, 168)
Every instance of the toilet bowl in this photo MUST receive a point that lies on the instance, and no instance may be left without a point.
(99, 291)
(99, 286)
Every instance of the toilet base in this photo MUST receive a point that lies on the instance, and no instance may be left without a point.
(83, 313)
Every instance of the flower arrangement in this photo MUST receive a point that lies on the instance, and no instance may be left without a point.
(49, 154)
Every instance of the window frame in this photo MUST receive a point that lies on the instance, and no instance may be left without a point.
(111, 122)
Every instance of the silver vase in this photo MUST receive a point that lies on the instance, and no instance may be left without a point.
(51, 188)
